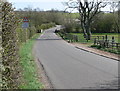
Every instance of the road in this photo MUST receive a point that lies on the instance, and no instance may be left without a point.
(70, 68)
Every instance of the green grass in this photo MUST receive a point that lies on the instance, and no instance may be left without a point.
(73, 15)
(29, 71)
(90, 42)
(116, 35)
(83, 40)
(114, 50)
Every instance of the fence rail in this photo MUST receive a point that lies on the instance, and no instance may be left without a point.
(69, 37)
(103, 41)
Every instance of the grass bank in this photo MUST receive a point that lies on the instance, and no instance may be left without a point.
(29, 70)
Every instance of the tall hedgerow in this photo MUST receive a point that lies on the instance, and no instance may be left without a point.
(10, 57)
(1, 66)
(24, 34)
(12, 36)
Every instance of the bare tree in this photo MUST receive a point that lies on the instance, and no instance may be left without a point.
(119, 15)
(87, 10)
(115, 8)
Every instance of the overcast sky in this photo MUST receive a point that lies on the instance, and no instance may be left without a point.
(43, 4)
(37, 0)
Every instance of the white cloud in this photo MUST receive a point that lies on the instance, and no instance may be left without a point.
(55, 0)
(37, 0)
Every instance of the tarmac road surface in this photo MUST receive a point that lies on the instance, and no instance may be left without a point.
(70, 68)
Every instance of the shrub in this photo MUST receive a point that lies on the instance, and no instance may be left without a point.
(25, 34)
(46, 26)
(10, 48)
(12, 37)
(96, 46)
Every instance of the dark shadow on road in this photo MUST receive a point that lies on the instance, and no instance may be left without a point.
(47, 39)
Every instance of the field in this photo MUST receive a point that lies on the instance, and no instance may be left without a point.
(83, 40)
(72, 15)
(90, 43)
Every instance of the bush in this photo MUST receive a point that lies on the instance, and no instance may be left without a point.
(25, 34)
(96, 46)
(45, 26)
(10, 59)
(106, 49)
(12, 37)
(31, 31)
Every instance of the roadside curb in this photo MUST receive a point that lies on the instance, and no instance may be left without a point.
(117, 59)
(78, 47)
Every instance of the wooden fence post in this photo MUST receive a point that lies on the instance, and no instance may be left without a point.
(106, 41)
(76, 38)
(94, 41)
(113, 40)
(106, 37)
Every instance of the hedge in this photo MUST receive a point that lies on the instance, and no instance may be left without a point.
(12, 36)
(45, 26)
(10, 56)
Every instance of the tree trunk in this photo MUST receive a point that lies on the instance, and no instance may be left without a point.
(85, 33)
(88, 32)
(89, 35)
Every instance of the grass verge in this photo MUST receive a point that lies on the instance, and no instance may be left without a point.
(30, 78)
(115, 51)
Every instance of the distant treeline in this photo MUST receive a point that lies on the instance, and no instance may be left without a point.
(106, 23)
(102, 23)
